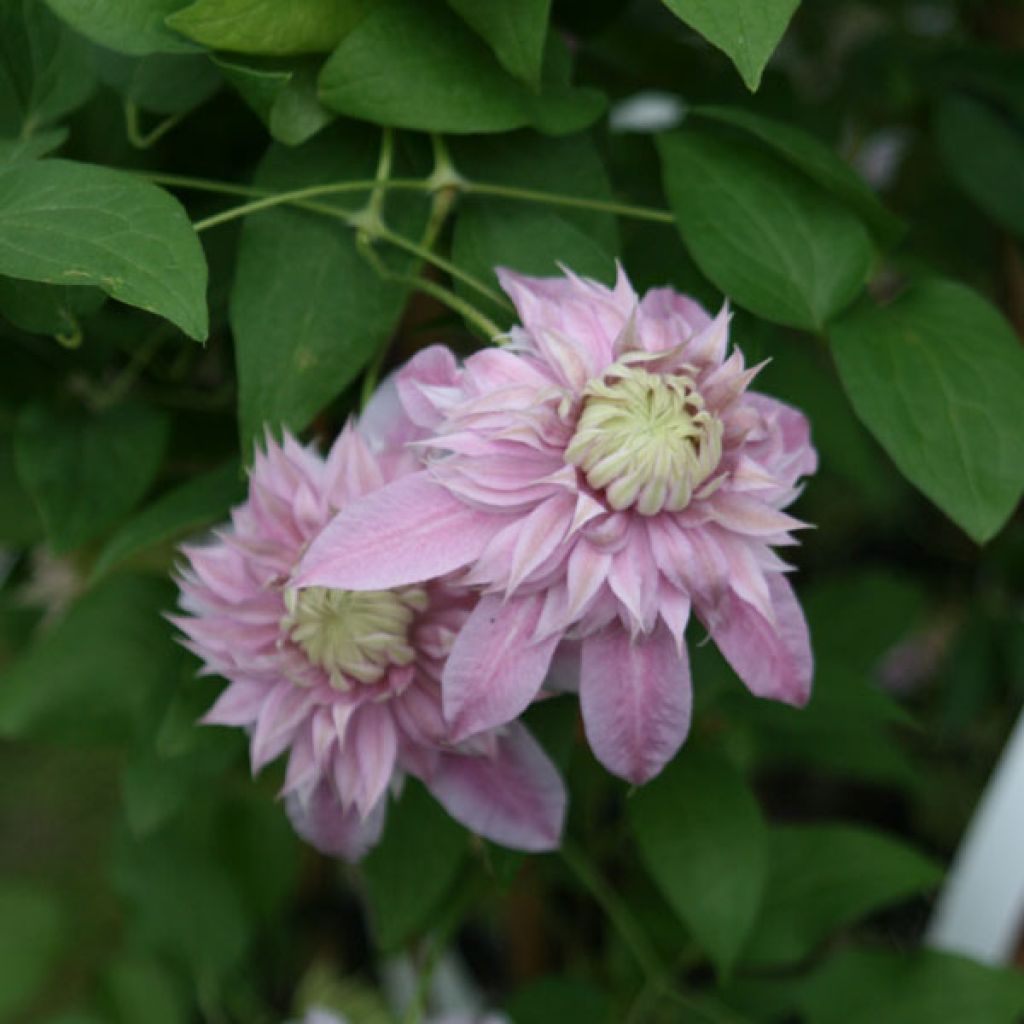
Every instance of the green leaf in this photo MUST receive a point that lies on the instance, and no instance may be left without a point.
(307, 308)
(747, 31)
(273, 27)
(415, 65)
(85, 472)
(494, 232)
(700, 833)
(406, 891)
(818, 161)
(297, 113)
(143, 990)
(76, 224)
(195, 504)
(87, 677)
(769, 238)
(162, 83)
(514, 29)
(48, 309)
(32, 930)
(558, 998)
(128, 26)
(937, 377)
(984, 152)
(19, 522)
(46, 71)
(824, 877)
(36, 146)
(861, 986)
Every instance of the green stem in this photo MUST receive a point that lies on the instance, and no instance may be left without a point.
(530, 195)
(484, 324)
(145, 140)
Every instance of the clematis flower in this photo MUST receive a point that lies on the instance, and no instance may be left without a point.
(348, 682)
(599, 478)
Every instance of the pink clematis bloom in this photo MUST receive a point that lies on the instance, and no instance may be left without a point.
(599, 477)
(348, 683)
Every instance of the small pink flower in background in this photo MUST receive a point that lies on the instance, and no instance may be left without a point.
(600, 477)
(348, 683)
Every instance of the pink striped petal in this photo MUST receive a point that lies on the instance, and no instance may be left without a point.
(371, 734)
(495, 669)
(636, 699)
(409, 531)
(319, 818)
(515, 798)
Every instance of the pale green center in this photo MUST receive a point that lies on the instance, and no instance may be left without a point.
(353, 635)
(645, 439)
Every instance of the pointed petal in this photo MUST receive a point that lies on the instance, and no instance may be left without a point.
(515, 798)
(636, 700)
(774, 662)
(495, 670)
(320, 820)
(409, 531)
(371, 732)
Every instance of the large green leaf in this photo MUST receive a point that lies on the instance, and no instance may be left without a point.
(818, 161)
(307, 308)
(415, 65)
(87, 677)
(700, 833)
(129, 26)
(32, 932)
(937, 377)
(984, 152)
(408, 878)
(533, 238)
(746, 30)
(85, 472)
(161, 83)
(45, 71)
(48, 309)
(76, 224)
(514, 29)
(823, 877)
(768, 237)
(274, 27)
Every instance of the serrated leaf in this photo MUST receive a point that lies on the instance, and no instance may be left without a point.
(270, 27)
(700, 833)
(937, 377)
(770, 239)
(85, 472)
(514, 29)
(825, 877)
(748, 31)
(128, 26)
(69, 223)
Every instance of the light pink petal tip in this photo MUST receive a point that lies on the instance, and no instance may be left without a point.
(409, 531)
(636, 700)
(319, 819)
(515, 798)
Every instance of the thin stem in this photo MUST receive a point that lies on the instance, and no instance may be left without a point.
(484, 324)
(558, 199)
(375, 207)
(144, 140)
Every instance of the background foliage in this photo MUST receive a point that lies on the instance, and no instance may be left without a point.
(225, 213)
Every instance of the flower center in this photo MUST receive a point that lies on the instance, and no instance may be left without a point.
(645, 439)
(353, 634)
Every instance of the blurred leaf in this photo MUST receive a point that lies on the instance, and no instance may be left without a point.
(83, 471)
(45, 70)
(860, 986)
(984, 152)
(278, 28)
(700, 833)
(129, 26)
(36, 146)
(71, 223)
(407, 878)
(307, 309)
(558, 1000)
(32, 931)
(937, 377)
(492, 232)
(142, 990)
(746, 30)
(162, 83)
(818, 161)
(87, 677)
(762, 232)
(823, 877)
(561, 108)
(46, 308)
(19, 522)
(189, 507)
(515, 30)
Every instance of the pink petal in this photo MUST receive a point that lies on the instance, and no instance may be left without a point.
(374, 747)
(238, 704)
(319, 819)
(495, 669)
(635, 698)
(409, 531)
(515, 798)
(774, 661)
(418, 382)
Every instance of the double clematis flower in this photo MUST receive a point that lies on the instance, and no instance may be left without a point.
(599, 479)
(348, 681)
